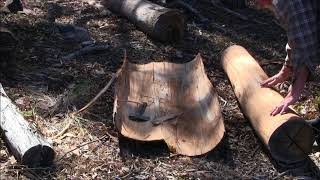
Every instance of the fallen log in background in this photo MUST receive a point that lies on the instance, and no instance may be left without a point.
(27, 146)
(8, 41)
(288, 137)
(172, 102)
(8, 46)
(159, 22)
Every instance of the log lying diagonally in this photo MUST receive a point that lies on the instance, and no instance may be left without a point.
(172, 102)
(159, 22)
(288, 137)
(27, 146)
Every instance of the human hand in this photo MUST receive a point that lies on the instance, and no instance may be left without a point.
(282, 76)
(285, 103)
(294, 92)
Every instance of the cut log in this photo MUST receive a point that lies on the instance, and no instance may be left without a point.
(8, 44)
(161, 23)
(12, 6)
(7, 40)
(28, 147)
(172, 102)
(288, 137)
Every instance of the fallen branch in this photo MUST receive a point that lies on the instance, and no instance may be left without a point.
(90, 142)
(189, 8)
(240, 16)
(86, 50)
(114, 76)
(216, 5)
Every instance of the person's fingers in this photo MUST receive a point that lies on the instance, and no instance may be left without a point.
(276, 110)
(284, 109)
(266, 82)
(272, 83)
(290, 89)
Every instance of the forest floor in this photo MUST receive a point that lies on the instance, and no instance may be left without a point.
(44, 83)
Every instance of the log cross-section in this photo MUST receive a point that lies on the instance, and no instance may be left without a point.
(288, 137)
(27, 146)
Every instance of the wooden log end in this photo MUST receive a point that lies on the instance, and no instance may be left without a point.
(170, 26)
(38, 156)
(7, 40)
(292, 141)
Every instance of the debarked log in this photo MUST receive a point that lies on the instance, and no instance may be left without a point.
(172, 102)
(288, 137)
(162, 23)
(28, 147)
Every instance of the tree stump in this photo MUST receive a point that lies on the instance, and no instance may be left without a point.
(288, 137)
(28, 147)
(161, 23)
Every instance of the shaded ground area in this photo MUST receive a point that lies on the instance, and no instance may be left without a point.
(46, 88)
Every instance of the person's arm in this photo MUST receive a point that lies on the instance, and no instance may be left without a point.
(303, 39)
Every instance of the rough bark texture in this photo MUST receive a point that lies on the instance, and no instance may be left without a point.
(288, 137)
(159, 22)
(7, 40)
(173, 102)
(28, 146)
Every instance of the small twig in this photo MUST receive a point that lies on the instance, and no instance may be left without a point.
(64, 130)
(114, 76)
(81, 145)
(254, 152)
(125, 176)
(240, 16)
(229, 11)
(189, 8)
(282, 174)
(224, 101)
(114, 139)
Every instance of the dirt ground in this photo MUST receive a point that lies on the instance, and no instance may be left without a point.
(47, 89)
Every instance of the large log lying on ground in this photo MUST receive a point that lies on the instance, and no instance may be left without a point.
(288, 137)
(159, 22)
(27, 146)
(172, 102)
